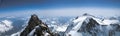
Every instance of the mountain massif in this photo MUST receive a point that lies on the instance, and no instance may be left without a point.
(36, 27)
(85, 25)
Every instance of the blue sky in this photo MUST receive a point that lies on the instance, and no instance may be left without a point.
(59, 7)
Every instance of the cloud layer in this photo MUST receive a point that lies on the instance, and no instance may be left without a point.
(5, 25)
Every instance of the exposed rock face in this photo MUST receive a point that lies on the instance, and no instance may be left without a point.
(33, 22)
(89, 27)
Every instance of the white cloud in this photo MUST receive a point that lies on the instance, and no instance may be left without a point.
(5, 25)
(67, 11)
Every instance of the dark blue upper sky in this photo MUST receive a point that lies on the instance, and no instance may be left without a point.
(11, 5)
(59, 7)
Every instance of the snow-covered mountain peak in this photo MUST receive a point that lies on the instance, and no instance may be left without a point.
(100, 21)
(92, 25)
(82, 19)
(79, 19)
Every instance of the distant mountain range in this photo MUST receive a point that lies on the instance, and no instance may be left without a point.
(84, 25)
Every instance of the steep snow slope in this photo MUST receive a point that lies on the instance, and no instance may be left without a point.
(90, 24)
(78, 23)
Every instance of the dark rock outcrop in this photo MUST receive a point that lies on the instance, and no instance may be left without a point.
(89, 26)
(33, 22)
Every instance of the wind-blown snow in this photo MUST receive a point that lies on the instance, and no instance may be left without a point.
(5, 25)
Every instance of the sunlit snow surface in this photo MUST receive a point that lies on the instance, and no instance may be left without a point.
(61, 28)
(108, 22)
(79, 21)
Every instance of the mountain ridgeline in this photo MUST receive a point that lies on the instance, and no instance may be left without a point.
(37, 26)
(86, 25)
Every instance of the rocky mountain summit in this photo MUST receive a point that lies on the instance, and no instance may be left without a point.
(36, 28)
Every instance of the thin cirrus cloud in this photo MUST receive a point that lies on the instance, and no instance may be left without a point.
(66, 12)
